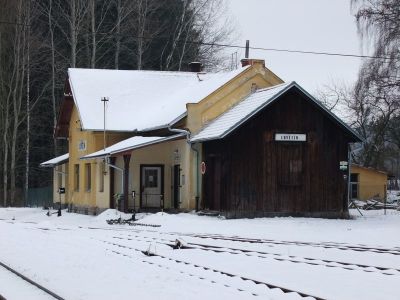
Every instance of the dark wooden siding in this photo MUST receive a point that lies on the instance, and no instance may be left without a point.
(250, 174)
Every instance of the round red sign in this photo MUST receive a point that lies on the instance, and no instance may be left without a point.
(203, 167)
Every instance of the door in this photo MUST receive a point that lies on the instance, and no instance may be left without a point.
(177, 185)
(152, 186)
(290, 177)
(354, 185)
(212, 183)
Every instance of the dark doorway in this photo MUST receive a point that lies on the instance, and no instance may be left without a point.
(177, 185)
(212, 181)
(354, 185)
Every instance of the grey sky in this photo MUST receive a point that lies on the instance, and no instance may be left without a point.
(313, 25)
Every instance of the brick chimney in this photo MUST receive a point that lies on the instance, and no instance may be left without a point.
(195, 66)
(251, 61)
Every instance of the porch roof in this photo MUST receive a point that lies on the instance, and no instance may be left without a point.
(247, 108)
(59, 160)
(131, 144)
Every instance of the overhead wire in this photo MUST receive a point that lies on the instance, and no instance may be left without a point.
(310, 52)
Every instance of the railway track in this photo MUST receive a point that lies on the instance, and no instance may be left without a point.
(275, 256)
(31, 282)
(208, 269)
(326, 245)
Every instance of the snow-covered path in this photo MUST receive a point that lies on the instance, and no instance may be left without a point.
(81, 257)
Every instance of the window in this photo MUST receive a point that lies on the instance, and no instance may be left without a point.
(88, 177)
(101, 170)
(151, 178)
(76, 177)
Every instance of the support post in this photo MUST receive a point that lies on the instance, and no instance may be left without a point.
(112, 189)
(127, 158)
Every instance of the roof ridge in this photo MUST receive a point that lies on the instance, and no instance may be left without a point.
(157, 71)
(274, 86)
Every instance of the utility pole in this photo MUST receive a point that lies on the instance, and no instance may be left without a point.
(104, 100)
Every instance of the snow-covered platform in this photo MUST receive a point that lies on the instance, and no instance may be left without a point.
(81, 257)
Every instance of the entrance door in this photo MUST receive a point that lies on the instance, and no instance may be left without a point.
(212, 183)
(152, 186)
(290, 177)
(177, 185)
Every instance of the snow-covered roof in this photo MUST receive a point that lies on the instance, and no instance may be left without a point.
(244, 110)
(139, 100)
(131, 144)
(59, 160)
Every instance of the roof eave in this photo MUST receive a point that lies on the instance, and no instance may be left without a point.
(131, 148)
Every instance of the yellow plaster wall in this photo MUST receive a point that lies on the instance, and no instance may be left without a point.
(371, 182)
(102, 197)
(162, 154)
(94, 142)
(228, 95)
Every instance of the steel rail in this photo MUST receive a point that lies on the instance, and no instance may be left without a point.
(39, 286)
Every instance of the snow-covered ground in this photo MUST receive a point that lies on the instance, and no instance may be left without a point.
(81, 257)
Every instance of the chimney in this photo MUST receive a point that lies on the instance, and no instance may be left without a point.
(195, 67)
(251, 61)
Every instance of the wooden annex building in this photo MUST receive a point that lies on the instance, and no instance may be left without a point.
(242, 143)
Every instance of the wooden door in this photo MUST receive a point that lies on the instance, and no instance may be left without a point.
(212, 183)
(290, 177)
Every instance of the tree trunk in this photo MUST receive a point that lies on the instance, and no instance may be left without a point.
(73, 33)
(117, 35)
(93, 33)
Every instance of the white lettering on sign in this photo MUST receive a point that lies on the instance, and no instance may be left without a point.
(290, 137)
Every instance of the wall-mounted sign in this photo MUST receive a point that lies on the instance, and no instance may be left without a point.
(290, 137)
(203, 168)
(343, 165)
(82, 145)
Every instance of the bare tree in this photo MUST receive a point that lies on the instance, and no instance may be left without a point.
(377, 92)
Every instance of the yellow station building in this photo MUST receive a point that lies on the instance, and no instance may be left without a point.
(135, 137)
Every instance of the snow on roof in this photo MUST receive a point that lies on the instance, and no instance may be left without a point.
(59, 160)
(139, 100)
(131, 144)
(244, 110)
(239, 113)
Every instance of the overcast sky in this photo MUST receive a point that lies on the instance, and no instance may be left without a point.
(311, 25)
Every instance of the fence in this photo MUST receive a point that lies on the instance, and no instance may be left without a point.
(40, 197)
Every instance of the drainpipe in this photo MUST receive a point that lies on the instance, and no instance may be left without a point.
(107, 159)
(187, 133)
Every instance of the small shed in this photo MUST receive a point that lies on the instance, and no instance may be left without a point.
(367, 183)
(276, 153)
